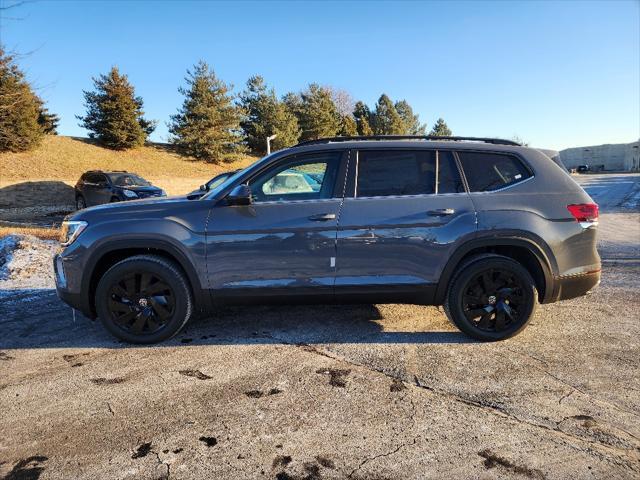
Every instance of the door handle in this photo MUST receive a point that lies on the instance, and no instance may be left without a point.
(323, 217)
(441, 212)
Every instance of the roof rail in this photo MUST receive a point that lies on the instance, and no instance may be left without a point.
(495, 141)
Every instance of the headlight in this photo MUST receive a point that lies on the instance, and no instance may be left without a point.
(130, 194)
(163, 193)
(70, 231)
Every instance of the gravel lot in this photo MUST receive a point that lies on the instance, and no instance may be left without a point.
(362, 392)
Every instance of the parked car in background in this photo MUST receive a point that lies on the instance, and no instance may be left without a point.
(584, 168)
(210, 185)
(486, 227)
(97, 187)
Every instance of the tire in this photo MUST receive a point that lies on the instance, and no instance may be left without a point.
(144, 299)
(491, 298)
(114, 200)
(80, 202)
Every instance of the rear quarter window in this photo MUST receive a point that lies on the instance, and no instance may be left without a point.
(486, 172)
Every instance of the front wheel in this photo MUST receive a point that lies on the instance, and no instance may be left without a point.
(80, 202)
(491, 298)
(144, 299)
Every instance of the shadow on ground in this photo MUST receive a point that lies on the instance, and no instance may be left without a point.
(38, 319)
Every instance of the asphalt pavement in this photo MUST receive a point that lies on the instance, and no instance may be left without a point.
(361, 392)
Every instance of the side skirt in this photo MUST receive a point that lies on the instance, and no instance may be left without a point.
(424, 294)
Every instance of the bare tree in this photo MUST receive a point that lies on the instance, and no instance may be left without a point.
(343, 101)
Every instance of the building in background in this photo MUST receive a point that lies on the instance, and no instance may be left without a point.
(617, 157)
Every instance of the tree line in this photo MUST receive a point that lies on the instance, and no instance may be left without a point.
(212, 124)
(24, 119)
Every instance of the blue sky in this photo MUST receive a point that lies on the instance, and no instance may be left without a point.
(557, 74)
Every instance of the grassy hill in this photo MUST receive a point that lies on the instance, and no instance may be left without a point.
(66, 158)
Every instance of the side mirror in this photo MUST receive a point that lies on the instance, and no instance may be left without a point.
(240, 195)
(204, 188)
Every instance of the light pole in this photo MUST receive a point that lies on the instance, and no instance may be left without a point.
(269, 138)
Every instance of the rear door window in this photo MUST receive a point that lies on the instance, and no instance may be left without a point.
(385, 173)
(488, 171)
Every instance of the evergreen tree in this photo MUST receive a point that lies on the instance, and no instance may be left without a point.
(349, 127)
(386, 120)
(114, 113)
(440, 129)
(48, 121)
(364, 128)
(318, 114)
(293, 102)
(19, 108)
(362, 115)
(207, 126)
(411, 122)
(285, 127)
(264, 116)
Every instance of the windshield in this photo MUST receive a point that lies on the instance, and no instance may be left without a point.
(127, 180)
(214, 189)
(214, 182)
(229, 181)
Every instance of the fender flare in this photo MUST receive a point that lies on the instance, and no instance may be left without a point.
(163, 245)
(509, 238)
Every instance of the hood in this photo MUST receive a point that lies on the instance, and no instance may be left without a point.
(131, 209)
(149, 188)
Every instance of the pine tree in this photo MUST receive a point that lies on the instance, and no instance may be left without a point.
(364, 128)
(114, 113)
(362, 115)
(48, 121)
(440, 129)
(19, 108)
(386, 120)
(349, 127)
(207, 126)
(285, 127)
(318, 114)
(411, 122)
(264, 116)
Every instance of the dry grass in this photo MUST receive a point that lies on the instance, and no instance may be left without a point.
(66, 158)
(43, 233)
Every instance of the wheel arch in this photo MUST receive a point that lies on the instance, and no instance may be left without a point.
(105, 257)
(527, 249)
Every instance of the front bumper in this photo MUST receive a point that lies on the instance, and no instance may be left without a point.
(74, 299)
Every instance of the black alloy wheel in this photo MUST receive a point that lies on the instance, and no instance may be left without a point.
(141, 303)
(492, 297)
(80, 203)
(144, 299)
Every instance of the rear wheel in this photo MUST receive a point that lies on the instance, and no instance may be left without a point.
(144, 299)
(80, 202)
(491, 298)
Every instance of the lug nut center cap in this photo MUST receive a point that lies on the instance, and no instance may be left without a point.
(143, 302)
(492, 300)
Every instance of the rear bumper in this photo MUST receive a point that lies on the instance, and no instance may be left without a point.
(572, 286)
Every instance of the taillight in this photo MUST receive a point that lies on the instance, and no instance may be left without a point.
(585, 213)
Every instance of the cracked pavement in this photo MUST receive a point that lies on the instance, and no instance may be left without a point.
(324, 392)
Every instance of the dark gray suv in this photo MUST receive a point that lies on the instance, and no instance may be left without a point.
(485, 227)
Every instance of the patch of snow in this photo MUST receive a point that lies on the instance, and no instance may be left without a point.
(26, 263)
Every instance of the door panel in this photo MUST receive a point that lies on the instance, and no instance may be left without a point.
(283, 244)
(272, 248)
(395, 244)
(401, 240)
